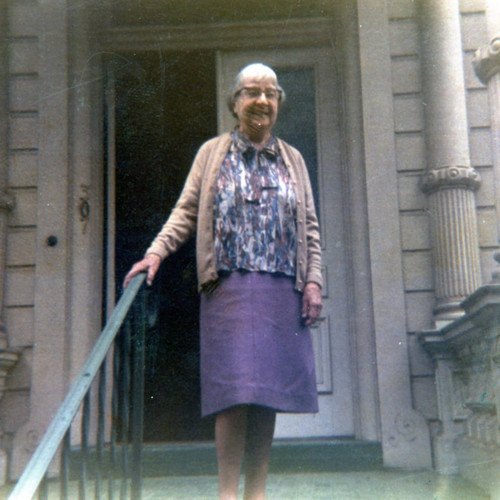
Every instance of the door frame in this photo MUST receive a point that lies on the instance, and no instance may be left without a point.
(341, 33)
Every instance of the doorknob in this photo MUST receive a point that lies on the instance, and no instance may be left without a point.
(52, 241)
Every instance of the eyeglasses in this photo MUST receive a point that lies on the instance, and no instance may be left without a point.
(256, 92)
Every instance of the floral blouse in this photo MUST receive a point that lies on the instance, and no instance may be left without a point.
(254, 212)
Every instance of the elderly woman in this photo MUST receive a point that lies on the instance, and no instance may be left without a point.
(248, 198)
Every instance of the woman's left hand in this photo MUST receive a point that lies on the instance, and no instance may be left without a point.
(311, 303)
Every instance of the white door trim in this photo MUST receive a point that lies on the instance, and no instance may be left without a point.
(331, 338)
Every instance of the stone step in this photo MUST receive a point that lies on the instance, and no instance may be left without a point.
(297, 456)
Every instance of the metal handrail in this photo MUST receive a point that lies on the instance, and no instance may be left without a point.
(37, 467)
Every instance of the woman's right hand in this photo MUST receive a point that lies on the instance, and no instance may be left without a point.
(150, 264)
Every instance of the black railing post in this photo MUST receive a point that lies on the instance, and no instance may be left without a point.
(114, 423)
(43, 491)
(82, 486)
(64, 486)
(124, 405)
(101, 422)
(137, 397)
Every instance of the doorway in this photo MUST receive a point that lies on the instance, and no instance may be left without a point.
(167, 104)
(164, 110)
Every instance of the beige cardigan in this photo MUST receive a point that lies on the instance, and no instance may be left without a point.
(194, 212)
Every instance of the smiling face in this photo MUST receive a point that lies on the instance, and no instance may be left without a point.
(256, 103)
(257, 108)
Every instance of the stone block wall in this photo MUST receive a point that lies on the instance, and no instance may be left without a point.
(23, 132)
(475, 35)
(416, 244)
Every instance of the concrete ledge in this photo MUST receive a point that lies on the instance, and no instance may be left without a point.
(194, 459)
(325, 456)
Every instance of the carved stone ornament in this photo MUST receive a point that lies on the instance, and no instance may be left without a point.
(7, 360)
(32, 440)
(453, 176)
(7, 201)
(487, 60)
(405, 429)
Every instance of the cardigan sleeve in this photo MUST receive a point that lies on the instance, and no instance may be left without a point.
(309, 248)
(313, 269)
(313, 238)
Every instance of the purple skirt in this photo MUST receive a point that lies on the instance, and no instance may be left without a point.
(254, 347)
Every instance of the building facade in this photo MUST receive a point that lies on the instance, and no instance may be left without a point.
(395, 106)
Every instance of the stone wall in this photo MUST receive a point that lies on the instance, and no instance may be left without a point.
(416, 241)
(22, 159)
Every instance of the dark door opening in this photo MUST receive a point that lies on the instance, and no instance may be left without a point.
(165, 109)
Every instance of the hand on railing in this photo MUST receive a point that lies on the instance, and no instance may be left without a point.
(150, 264)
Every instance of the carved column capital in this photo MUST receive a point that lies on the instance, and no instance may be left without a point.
(460, 176)
(487, 60)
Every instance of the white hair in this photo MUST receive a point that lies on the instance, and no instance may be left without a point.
(258, 72)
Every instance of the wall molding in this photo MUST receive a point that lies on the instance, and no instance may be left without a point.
(264, 34)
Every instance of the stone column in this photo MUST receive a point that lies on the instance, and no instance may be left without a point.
(487, 65)
(450, 180)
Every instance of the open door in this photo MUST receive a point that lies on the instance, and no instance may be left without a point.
(158, 116)
(310, 121)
